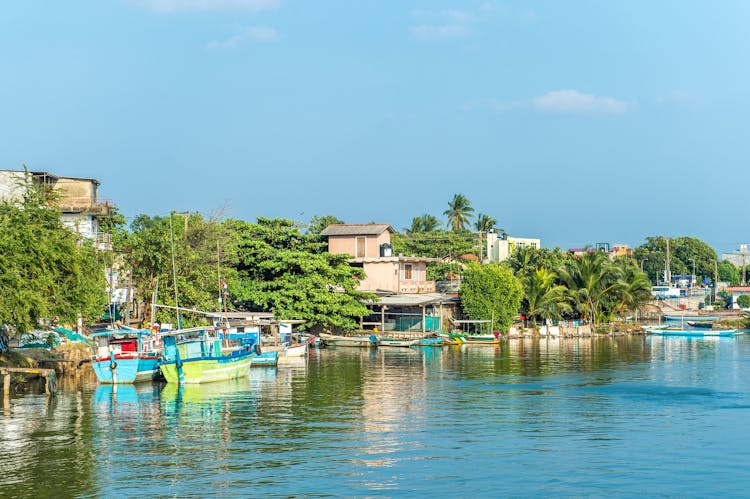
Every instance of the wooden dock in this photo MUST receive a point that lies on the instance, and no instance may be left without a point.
(50, 379)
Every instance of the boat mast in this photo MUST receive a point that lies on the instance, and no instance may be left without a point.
(174, 275)
(668, 268)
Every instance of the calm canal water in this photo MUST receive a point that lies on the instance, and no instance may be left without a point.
(589, 417)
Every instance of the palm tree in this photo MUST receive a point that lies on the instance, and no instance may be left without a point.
(484, 223)
(634, 289)
(545, 299)
(459, 212)
(424, 223)
(592, 280)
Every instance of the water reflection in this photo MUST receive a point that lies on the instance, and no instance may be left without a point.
(556, 416)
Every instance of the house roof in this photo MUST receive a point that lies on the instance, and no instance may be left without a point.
(356, 229)
(738, 289)
(414, 300)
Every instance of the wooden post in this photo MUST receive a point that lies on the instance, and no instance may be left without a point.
(423, 320)
(382, 318)
(6, 384)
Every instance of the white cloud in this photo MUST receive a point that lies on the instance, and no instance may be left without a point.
(442, 32)
(572, 101)
(258, 34)
(188, 5)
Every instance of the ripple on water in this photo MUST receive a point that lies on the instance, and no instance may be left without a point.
(580, 417)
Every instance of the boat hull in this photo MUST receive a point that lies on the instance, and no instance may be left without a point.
(694, 318)
(349, 341)
(127, 369)
(208, 370)
(697, 332)
(398, 343)
(296, 350)
(266, 359)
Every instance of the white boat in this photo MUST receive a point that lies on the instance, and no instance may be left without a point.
(295, 350)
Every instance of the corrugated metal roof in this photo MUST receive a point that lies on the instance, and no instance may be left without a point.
(356, 229)
(414, 300)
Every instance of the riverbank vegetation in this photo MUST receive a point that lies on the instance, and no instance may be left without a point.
(282, 266)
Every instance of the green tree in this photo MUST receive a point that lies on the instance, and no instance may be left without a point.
(46, 269)
(744, 301)
(424, 223)
(484, 223)
(291, 275)
(683, 252)
(203, 255)
(543, 297)
(592, 281)
(633, 287)
(318, 223)
(728, 273)
(525, 261)
(459, 212)
(435, 244)
(491, 292)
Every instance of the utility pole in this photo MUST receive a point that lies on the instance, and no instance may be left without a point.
(668, 268)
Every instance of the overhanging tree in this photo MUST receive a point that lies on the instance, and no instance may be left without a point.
(491, 292)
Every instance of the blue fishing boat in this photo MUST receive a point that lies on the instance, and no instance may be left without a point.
(694, 318)
(431, 342)
(206, 354)
(125, 355)
(692, 332)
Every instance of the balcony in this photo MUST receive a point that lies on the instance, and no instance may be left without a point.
(417, 287)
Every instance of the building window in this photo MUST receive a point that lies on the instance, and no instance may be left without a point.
(361, 246)
(407, 271)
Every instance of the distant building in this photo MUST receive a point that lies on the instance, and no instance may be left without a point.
(370, 246)
(613, 251)
(501, 246)
(735, 292)
(77, 199)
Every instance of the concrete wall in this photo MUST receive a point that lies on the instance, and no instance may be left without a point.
(499, 249)
(347, 245)
(11, 185)
(86, 225)
(76, 192)
(390, 275)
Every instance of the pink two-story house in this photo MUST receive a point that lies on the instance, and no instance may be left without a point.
(370, 245)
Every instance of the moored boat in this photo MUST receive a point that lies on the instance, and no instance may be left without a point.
(203, 355)
(265, 359)
(694, 318)
(431, 342)
(391, 342)
(692, 332)
(125, 355)
(298, 350)
(486, 339)
(350, 341)
(701, 325)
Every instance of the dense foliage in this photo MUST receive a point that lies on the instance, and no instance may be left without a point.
(435, 244)
(46, 269)
(203, 257)
(684, 253)
(491, 292)
(292, 275)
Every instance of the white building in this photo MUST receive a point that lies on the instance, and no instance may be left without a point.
(77, 200)
(501, 246)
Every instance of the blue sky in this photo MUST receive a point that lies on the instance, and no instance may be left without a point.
(576, 121)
